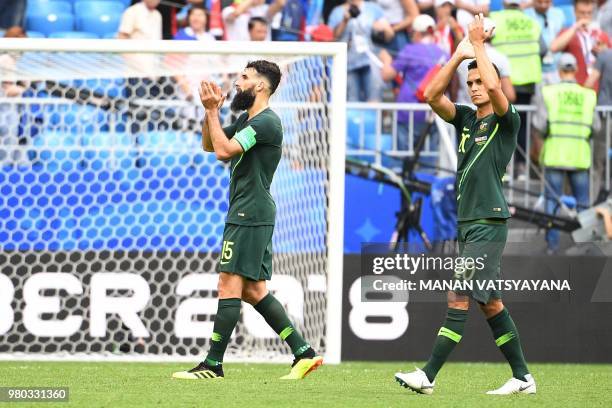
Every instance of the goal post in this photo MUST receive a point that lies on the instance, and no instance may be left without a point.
(112, 215)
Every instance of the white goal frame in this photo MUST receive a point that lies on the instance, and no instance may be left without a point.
(337, 153)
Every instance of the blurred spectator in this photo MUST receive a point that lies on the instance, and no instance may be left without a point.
(583, 40)
(15, 32)
(258, 29)
(314, 14)
(399, 13)
(566, 115)
(518, 37)
(292, 21)
(551, 20)
(181, 16)
(213, 7)
(602, 71)
(196, 30)
(168, 9)
(448, 32)
(216, 26)
(604, 16)
(329, 6)
(11, 151)
(413, 63)
(356, 22)
(236, 17)
(467, 9)
(322, 33)
(141, 22)
(426, 7)
(602, 74)
(8, 65)
(12, 13)
(503, 65)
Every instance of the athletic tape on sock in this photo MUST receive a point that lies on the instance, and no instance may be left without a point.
(503, 339)
(456, 337)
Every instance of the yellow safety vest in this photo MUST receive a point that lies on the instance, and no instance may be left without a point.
(570, 118)
(517, 36)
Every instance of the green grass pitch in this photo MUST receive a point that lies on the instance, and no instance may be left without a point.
(346, 385)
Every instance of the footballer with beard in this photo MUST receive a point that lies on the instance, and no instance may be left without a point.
(253, 144)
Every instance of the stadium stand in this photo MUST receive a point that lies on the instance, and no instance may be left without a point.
(73, 34)
(97, 18)
(568, 10)
(35, 34)
(100, 24)
(83, 8)
(358, 122)
(39, 7)
(50, 23)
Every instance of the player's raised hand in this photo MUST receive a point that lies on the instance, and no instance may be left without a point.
(208, 96)
(465, 50)
(219, 92)
(476, 29)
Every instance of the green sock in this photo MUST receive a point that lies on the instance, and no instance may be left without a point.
(448, 337)
(507, 339)
(275, 316)
(228, 313)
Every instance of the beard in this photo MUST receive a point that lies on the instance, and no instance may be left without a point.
(243, 100)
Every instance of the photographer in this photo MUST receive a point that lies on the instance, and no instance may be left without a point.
(584, 40)
(357, 23)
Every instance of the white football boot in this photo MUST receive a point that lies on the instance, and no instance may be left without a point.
(416, 380)
(516, 386)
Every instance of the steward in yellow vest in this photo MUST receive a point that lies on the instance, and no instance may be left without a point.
(570, 112)
(517, 36)
(566, 115)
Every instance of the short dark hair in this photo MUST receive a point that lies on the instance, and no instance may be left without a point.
(583, 2)
(197, 7)
(255, 20)
(269, 70)
(474, 65)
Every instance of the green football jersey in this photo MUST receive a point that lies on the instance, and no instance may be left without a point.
(251, 173)
(486, 146)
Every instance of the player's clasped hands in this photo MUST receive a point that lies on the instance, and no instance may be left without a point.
(478, 32)
(465, 50)
(476, 29)
(211, 95)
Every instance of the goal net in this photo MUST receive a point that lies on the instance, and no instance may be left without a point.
(112, 215)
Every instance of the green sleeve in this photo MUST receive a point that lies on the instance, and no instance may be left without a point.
(263, 129)
(230, 130)
(246, 137)
(461, 111)
(510, 120)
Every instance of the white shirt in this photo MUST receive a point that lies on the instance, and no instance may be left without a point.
(394, 12)
(140, 23)
(238, 30)
(203, 36)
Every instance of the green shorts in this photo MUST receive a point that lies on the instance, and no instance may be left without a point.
(247, 251)
(484, 242)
